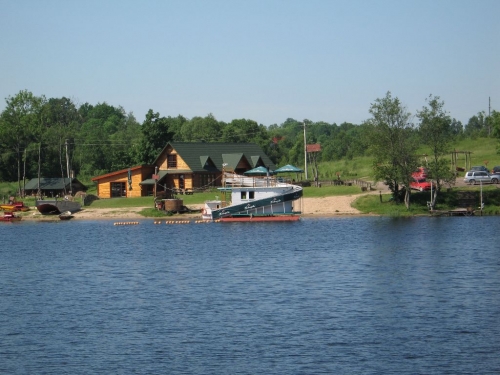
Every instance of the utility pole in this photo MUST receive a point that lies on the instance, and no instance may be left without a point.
(67, 158)
(489, 115)
(305, 148)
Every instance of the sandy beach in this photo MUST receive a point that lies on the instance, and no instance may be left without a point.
(310, 207)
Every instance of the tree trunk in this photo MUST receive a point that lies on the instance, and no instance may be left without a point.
(407, 198)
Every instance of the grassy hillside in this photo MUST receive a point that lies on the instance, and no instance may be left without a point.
(483, 152)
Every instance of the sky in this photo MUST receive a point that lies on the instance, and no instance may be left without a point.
(263, 60)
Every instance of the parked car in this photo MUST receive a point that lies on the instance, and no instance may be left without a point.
(420, 174)
(472, 177)
(420, 185)
(480, 168)
(496, 170)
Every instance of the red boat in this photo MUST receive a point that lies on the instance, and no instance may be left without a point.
(9, 217)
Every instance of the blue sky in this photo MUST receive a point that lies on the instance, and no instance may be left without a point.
(265, 60)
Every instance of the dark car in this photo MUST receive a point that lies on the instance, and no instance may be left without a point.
(480, 168)
(496, 170)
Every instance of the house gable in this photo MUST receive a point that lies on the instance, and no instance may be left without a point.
(191, 154)
(207, 163)
(257, 162)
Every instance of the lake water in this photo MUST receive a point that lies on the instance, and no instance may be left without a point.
(365, 295)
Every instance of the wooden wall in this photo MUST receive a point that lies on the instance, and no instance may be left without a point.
(138, 175)
(162, 160)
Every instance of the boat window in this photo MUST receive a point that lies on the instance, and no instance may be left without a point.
(243, 195)
(251, 195)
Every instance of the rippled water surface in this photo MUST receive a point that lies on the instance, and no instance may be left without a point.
(327, 296)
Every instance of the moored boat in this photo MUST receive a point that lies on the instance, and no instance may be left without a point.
(9, 216)
(254, 199)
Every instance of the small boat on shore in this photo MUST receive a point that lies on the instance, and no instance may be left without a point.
(9, 216)
(14, 206)
(66, 215)
(57, 206)
(254, 199)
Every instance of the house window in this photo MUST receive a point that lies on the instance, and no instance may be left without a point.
(118, 190)
(172, 161)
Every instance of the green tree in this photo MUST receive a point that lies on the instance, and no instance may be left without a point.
(393, 145)
(436, 133)
(202, 129)
(477, 126)
(95, 144)
(21, 125)
(155, 135)
(61, 123)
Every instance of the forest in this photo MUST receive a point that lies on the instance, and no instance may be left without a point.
(38, 135)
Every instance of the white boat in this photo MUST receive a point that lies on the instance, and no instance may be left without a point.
(254, 199)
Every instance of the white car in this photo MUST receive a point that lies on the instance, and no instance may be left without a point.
(472, 177)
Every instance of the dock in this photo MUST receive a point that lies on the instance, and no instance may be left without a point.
(469, 211)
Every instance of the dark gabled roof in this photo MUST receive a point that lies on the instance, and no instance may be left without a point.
(53, 183)
(196, 154)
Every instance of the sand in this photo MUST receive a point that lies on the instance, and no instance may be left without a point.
(310, 207)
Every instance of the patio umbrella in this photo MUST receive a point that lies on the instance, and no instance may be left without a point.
(258, 171)
(288, 168)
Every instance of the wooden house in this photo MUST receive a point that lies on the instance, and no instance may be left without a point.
(183, 167)
(54, 187)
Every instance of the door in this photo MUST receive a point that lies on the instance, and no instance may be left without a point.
(118, 190)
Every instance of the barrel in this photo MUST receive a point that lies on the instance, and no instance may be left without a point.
(172, 204)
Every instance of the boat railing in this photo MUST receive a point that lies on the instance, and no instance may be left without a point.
(236, 180)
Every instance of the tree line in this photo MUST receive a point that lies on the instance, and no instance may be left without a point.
(36, 135)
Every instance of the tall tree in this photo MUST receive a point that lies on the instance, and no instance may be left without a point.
(21, 125)
(202, 129)
(95, 144)
(155, 135)
(436, 133)
(477, 126)
(393, 145)
(61, 122)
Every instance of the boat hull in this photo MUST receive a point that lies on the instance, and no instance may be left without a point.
(257, 218)
(56, 207)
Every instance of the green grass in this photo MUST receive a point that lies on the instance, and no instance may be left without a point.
(330, 190)
(447, 200)
(357, 168)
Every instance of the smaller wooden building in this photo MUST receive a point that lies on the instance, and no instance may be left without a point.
(125, 183)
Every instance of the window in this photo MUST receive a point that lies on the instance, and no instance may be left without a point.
(172, 161)
(243, 195)
(251, 195)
